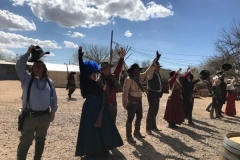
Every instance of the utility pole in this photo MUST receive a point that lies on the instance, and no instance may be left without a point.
(110, 60)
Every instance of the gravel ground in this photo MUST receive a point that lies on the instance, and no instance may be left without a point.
(201, 141)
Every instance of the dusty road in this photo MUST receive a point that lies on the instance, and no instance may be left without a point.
(201, 141)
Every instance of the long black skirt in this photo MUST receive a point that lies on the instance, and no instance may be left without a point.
(94, 140)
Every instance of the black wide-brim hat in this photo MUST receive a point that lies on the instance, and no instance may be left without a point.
(226, 67)
(36, 54)
(205, 74)
(132, 67)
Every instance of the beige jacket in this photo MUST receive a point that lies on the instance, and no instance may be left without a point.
(131, 88)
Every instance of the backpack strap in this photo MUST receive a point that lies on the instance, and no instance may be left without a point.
(29, 89)
(49, 83)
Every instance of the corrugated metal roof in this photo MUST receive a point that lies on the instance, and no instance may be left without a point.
(5, 62)
(61, 67)
(50, 66)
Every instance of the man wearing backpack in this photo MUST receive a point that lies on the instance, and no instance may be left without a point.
(39, 104)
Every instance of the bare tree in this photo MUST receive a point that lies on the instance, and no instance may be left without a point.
(94, 52)
(9, 58)
(227, 48)
(2, 57)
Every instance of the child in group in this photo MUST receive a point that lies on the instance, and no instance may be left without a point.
(215, 91)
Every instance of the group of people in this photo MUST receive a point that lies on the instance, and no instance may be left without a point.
(97, 132)
(222, 93)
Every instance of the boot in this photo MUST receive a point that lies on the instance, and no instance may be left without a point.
(155, 126)
(220, 112)
(217, 113)
(39, 147)
(172, 125)
(211, 113)
(149, 132)
(190, 119)
(129, 133)
(209, 107)
(137, 129)
(156, 129)
(22, 152)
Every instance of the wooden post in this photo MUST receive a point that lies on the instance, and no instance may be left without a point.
(110, 59)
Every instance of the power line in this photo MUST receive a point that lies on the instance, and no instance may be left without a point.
(161, 52)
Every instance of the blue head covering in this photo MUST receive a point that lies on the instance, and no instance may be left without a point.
(90, 67)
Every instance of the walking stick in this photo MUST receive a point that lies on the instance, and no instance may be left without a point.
(98, 123)
(67, 77)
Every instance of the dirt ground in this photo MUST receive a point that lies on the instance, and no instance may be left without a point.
(201, 141)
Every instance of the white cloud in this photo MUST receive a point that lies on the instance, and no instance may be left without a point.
(75, 34)
(13, 21)
(12, 40)
(90, 13)
(7, 52)
(169, 6)
(128, 33)
(70, 44)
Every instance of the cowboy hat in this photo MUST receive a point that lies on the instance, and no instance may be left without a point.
(205, 74)
(226, 67)
(37, 53)
(106, 64)
(132, 67)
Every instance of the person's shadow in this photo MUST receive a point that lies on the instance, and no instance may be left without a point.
(176, 144)
(147, 151)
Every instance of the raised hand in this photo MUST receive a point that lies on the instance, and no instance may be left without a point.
(179, 70)
(80, 52)
(158, 55)
(122, 52)
(30, 48)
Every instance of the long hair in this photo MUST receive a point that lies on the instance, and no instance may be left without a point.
(45, 72)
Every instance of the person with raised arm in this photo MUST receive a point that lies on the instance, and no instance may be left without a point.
(39, 104)
(174, 113)
(132, 98)
(94, 141)
(112, 83)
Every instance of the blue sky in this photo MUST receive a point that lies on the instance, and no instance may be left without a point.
(184, 31)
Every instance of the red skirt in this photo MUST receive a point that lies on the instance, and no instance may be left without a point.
(174, 109)
(230, 107)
